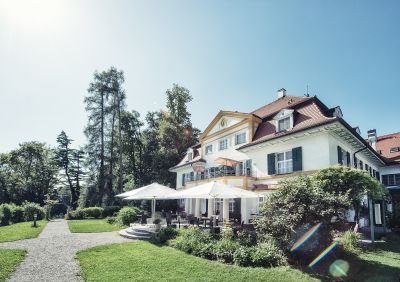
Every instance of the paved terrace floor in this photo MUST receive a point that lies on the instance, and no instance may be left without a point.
(51, 256)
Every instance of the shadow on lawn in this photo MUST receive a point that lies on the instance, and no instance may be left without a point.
(378, 263)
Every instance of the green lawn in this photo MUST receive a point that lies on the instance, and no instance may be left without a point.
(9, 259)
(91, 226)
(143, 261)
(19, 231)
(382, 263)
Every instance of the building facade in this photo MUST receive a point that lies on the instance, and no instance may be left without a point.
(290, 136)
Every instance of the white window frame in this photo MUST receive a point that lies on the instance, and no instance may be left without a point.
(288, 118)
(210, 151)
(231, 205)
(220, 142)
(238, 135)
(287, 164)
(190, 156)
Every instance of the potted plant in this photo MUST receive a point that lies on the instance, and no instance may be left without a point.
(157, 223)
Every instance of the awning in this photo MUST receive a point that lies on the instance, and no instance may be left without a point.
(227, 162)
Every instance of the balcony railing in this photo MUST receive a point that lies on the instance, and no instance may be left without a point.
(215, 172)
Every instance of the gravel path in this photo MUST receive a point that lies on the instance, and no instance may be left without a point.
(51, 256)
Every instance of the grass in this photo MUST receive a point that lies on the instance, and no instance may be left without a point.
(19, 231)
(9, 259)
(143, 261)
(380, 263)
(91, 226)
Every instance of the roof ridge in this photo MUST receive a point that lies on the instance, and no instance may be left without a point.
(388, 135)
(278, 100)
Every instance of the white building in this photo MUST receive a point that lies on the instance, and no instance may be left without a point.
(289, 136)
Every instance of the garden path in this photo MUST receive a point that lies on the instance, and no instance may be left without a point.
(51, 256)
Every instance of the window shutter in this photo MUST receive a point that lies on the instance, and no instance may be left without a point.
(348, 159)
(339, 154)
(378, 176)
(271, 164)
(355, 162)
(183, 179)
(297, 159)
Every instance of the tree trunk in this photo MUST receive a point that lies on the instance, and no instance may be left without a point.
(101, 175)
(121, 171)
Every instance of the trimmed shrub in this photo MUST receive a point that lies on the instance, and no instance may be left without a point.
(17, 214)
(5, 214)
(111, 219)
(110, 211)
(93, 212)
(77, 214)
(193, 240)
(164, 235)
(127, 215)
(350, 242)
(225, 248)
(243, 256)
(31, 208)
(267, 255)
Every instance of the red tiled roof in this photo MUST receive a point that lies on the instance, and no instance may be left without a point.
(277, 105)
(385, 143)
(306, 115)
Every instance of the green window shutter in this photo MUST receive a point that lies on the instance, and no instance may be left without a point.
(297, 159)
(355, 160)
(183, 179)
(348, 159)
(271, 164)
(339, 154)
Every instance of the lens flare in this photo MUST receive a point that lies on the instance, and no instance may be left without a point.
(323, 254)
(339, 268)
(305, 237)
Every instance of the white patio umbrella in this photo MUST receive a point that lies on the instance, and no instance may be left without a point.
(212, 190)
(152, 192)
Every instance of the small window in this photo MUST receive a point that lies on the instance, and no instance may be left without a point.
(240, 138)
(231, 205)
(209, 149)
(190, 156)
(394, 149)
(284, 124)
(223, 144)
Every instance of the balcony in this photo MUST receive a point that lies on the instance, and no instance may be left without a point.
(216, 172)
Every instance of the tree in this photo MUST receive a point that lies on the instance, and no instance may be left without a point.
(70, 160)
(104, 104)
(28, 173)
(354, 183)
(298, 205)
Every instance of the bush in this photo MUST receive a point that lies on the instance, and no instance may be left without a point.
(193, 241)
(267, 255)
(350, 242)
(110, 211)
(164, 235)
(127, 215)
(5, 214)
(93, 212)
(243, 256)
(225, 248)
(17, 214)
(77, 214)
(31, 208)
(111, 219)
(247, 238)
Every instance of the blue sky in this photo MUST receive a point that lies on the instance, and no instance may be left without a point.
(231, 55)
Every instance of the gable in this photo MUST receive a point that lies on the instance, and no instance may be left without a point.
(227, 120)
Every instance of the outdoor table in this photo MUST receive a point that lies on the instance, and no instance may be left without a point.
(205, 220)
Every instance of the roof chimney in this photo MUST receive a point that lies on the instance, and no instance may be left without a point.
(281, 93)
(372, 138)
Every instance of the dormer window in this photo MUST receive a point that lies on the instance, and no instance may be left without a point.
(284, 124)
(284, 120)
(190, 156)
